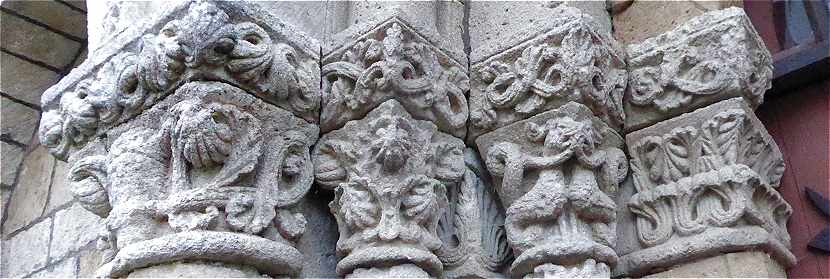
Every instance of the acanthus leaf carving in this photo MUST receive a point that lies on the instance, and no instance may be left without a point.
(390, 174)
(205, 160)
(204, 44)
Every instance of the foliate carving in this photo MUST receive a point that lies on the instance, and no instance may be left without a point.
(390, 174)
(204, 44)
(209, 164)
(472, 229)
(710, 173)
(712, 57)
(572, 62)
(556, 173)
(394, 62)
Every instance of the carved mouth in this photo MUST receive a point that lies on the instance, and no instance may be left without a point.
(562, 252)
(385, 256)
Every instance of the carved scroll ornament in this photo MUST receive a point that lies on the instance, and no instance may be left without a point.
(204, 44)
(394, 62)
(201, 177)
(390, 174)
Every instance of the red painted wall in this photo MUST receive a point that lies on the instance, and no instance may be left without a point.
(798, 121)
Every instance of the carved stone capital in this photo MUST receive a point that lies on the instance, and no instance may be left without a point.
(192, 41)
(705, 183)
(210, 173)
(556, 174)
(573, 61)
(394, 62)
(390, 173)
(712, 57)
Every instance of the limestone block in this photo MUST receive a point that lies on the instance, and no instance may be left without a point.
(23, 80)
(705, 183)
(74, 228)
(440, 23)
(226, 41)
(556, 174)
(30, 195)
(635, 21)
(390, 174)
(572, 61)
(59, 193)
(53, 14)
(712, 57)
(753, 264)
(19, 121)
(12, 155)
(29, 249)
(65, 268)
(36, 42)
(394, 62)
(88, 261)
(510, 22)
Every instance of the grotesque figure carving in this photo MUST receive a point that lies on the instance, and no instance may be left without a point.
(390, 174)
(555, 183)
(204, 44)
(204, 164)
(401, 66)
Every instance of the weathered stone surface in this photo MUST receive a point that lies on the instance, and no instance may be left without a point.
(393, 61)
(269, 60)
(390, 173)
(635, 21)
(195, 270)
(30, 195)
(65, 268)
(74, 228)
(19, 121)
(88, 262)
(507, 23)
(753, 264)
(33, 41)
(29, 248)
(571, 62)
(60, 193)
(223, 168)
(555, 173)
(710, 58)
(23, 80)
(12, 156)
(472, 229)
(705, 183)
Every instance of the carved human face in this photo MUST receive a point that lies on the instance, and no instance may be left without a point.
(392, 144)
(565, 133)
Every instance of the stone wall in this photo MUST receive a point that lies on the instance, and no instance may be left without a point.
(389, 139)
(44, 231)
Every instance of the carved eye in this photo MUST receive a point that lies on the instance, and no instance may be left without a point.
(253, 39)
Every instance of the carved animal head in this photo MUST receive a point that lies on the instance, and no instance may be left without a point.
(392, 144)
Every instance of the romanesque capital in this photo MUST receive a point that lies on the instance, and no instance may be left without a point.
(195, 40)
(210, 173)
(390, 173)
(393, 61)
(556, 174)
(712, 57)
(705, 184)
(571, 61)
(191, 136)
